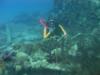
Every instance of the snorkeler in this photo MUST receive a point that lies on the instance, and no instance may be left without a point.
(52, 28)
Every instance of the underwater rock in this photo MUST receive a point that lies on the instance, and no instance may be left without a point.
(79, 21)
(1, 71)
(18, 68)
(55, 66)
(95, 33)
(56, 51)
(39, 64)
(39, 55)
(97, 2)
(73, 50)
(2, 67)
(8, 54)
(21, 57)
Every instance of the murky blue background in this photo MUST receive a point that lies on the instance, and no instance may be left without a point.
(11, 8)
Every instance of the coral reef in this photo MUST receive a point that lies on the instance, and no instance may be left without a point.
(68, 56)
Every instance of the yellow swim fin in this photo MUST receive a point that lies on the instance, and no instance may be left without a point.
(63, 30)
(45, 33)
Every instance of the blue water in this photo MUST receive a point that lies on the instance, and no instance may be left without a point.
(11, 8)
(22, 18)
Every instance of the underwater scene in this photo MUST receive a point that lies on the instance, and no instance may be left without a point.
(49, 37)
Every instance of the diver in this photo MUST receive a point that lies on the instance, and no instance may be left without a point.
(52, 28)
